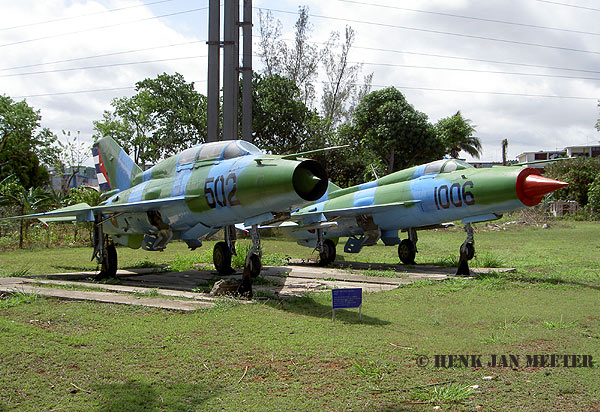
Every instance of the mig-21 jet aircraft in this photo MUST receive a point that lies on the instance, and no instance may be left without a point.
(191, 196)
(417, 198)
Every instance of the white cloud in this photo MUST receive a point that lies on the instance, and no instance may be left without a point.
(530, 123)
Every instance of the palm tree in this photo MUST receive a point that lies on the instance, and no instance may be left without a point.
(504, 147)
(456, 133)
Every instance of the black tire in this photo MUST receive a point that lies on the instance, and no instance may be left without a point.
(407, 252)
(109, 262)
(327, 256)
(255, 265)
(222, 258)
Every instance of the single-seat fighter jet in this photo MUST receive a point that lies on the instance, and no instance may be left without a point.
(191, 196)
(417, 198)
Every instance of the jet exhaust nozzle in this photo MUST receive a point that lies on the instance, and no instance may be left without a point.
(532, 186)
(310, 180)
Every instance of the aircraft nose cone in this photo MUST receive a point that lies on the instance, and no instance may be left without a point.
(536, 185)
(531, 186)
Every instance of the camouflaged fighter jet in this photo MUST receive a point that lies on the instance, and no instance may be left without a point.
(421, 197)
(191, 196)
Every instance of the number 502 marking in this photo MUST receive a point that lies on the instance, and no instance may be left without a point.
(217, 193)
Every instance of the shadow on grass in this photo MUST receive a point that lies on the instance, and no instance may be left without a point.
(535, 279)
(307, 306)
(137, 396)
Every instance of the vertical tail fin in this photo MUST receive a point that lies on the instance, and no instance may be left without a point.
(114, 168)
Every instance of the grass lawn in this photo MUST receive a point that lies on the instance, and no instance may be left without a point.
(289, 356)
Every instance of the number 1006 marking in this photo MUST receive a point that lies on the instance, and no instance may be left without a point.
(454, 195)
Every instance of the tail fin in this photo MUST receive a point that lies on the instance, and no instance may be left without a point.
(114, 168)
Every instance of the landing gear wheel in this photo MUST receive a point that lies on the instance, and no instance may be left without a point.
(470, 251)
(222, 259)
(109, 262)
(254, 265)
(407, 252)
(327, 256)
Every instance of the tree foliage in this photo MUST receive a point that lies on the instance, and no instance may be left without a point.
(341, 93)
(456, 133)
(165, 116)
(394, 131)
(24, 146)
(579, 173)
(281, 122)
(71, 156)
(594, 196)
(299, 63)
(25, 200)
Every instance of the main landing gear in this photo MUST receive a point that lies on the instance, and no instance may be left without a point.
(407, 249)
(223, 252)
(104, 252)
(467, 252)
(326, 249)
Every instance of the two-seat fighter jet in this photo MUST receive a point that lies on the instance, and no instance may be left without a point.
(420, 197)
(191, 196)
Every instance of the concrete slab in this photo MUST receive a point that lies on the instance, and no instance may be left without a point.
(290, 280)
(107, 297)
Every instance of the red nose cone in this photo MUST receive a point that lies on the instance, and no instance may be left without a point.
(531, 186)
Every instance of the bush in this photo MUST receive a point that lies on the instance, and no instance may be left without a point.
(579, 173)
(594, 196)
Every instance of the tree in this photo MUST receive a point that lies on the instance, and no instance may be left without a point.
(504, 147)
(456, 133)
(594, 196)
(299, 63)
(281, 122)
(71, 156)
(579, 173)
(340, 87)
(394, 131)
(23, 145)
(165, 116)
(31, 200)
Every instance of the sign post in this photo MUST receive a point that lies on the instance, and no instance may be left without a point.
(347, 298)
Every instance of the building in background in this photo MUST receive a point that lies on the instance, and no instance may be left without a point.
(85, 176)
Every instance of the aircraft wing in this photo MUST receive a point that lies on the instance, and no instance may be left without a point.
(321, 215)
(82, 212)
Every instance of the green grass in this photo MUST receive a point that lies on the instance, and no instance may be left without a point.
(451, 393)
(284, 355)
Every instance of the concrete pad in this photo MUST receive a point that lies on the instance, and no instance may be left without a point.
(290, 280)
(108, 297)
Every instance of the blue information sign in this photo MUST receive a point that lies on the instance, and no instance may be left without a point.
(346, 298)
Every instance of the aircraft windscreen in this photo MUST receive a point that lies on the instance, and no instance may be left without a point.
(249, 147)
(434, 167)
(188, 155)
(445, 166)
(212, 150)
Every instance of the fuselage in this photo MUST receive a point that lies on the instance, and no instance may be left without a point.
(211, 186)
(426, 195)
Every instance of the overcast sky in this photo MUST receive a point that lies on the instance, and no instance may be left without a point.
(526, 70)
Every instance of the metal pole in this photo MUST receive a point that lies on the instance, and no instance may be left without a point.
(247, 73)
(230, 69)
(214, 43)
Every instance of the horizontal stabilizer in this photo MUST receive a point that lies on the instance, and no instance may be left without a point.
(85, 213)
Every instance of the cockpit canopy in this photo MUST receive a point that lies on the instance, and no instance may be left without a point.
(227, 149)
(445, 166)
